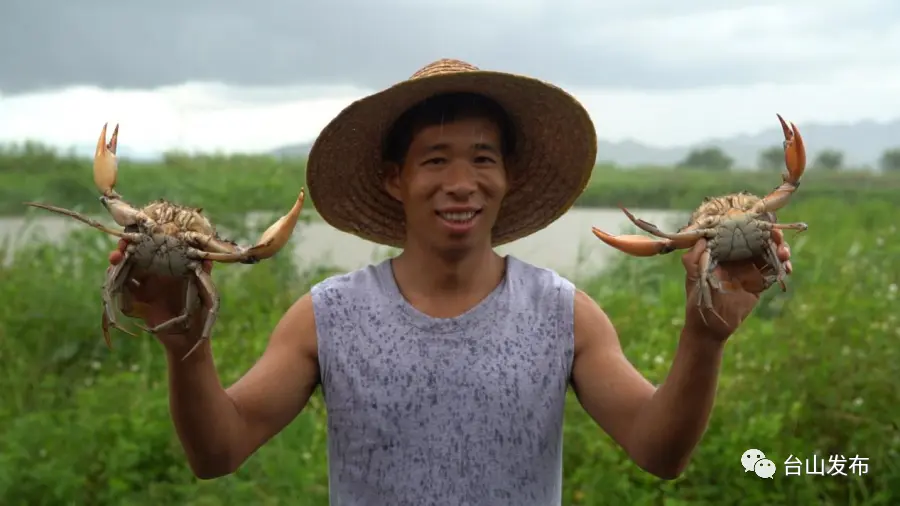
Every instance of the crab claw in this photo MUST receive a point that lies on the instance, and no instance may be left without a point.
(105, 163)
(277, 235)
(795, 160)
(635, 245)
(794, 152)
(270, 243)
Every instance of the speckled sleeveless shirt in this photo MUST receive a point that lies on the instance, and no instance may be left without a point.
(463, 411)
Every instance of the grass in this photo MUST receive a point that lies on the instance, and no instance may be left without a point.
(811, 372)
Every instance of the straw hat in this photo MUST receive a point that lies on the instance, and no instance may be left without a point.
(555, 152)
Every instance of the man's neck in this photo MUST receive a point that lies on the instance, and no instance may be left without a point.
(420, 272)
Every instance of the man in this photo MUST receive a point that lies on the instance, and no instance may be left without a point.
(445, 369)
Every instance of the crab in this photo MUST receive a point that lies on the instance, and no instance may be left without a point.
(736, 227)
(168, 239)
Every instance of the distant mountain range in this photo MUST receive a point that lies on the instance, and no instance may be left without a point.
(862, 144)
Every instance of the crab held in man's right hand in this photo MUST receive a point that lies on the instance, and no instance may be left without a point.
(168, 239)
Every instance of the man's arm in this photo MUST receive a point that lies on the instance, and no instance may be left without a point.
(218, 428)
(658, 428)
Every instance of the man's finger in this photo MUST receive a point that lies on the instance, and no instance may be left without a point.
(693, 254)
(119, 253)
(692, 257)
(783, 252)
(778, 237)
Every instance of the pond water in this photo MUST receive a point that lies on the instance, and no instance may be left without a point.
(567, 246)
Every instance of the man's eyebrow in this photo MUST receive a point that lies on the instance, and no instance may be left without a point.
(483, 146)
(437, 147)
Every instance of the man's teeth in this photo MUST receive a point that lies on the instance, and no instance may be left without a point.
(462, 217)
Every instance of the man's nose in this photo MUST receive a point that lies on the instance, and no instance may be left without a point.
(460, 180)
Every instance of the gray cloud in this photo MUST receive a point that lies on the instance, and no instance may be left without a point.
(53, 43)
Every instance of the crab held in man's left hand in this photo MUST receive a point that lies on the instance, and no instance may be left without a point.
(736, 227)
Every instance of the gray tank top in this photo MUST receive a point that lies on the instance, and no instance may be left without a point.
(459, 411)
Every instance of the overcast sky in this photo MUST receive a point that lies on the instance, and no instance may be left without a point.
(247, 76)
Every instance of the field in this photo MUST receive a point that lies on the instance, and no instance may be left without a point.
(266, 183)
(811, 372)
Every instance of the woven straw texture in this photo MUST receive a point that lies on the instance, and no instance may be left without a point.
(555, 151)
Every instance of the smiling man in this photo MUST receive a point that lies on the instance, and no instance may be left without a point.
(445, 369)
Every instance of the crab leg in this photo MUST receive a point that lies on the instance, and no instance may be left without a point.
(206, 282)
(115, 278)
(270, 243)
(795, 161)
(209, 243)
(704, 268)
(774, 261)
(704, 297)
(682, 240)
(190, 305)
(82, 218)
(802, 227)
(706, 284)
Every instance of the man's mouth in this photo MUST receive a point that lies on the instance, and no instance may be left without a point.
(459, 221)
(458, 216)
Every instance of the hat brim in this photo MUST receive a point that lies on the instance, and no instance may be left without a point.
(554, 154)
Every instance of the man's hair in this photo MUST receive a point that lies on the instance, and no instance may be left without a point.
(442, 109)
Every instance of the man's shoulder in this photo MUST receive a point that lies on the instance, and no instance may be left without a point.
(361, 280)
(538, 282)
(540, 275)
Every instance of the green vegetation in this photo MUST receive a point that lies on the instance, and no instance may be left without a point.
(260, 183)
(811, 371)
(664, 188)
(715, 159)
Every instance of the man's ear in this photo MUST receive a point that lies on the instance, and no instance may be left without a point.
(391, 171)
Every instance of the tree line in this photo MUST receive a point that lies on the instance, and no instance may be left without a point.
(772, 158)
(704, 158)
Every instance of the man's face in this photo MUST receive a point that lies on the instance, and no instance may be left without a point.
(451, 184)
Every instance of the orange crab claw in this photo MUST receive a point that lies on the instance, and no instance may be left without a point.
(105, 163)
(794, 152)
(795, 160)
(635, 245)
(277, 235)
(270, 243)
